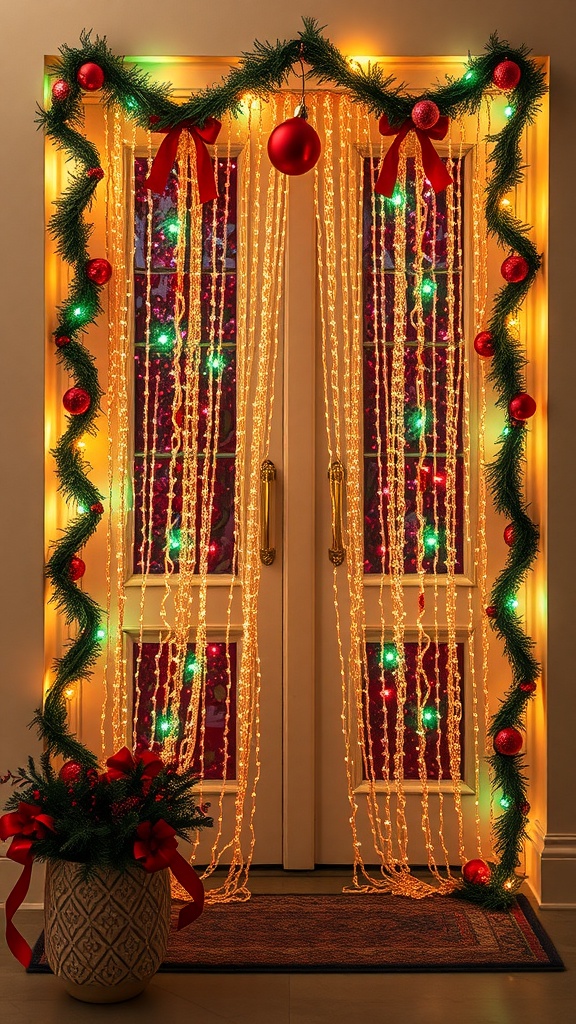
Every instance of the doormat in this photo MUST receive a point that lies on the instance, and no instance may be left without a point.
(355, 933)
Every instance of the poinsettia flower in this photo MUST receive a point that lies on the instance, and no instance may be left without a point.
(156, 845)
(123, 763)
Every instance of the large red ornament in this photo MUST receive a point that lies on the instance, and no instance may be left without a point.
(294, 147)
(508, 741)
(491, 611)
(76, 568)
(484, 344)
(99, 271)
(61, 90)
(62, 340)
(90, 77)
(528, 686)
(506, 75)
(509, 534)
(515, 269)
(76, 401)
(477, 872)
(425, 114)
(71, 771)
(522, 406)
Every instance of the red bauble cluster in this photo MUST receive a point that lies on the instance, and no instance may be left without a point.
(508, 741)
(294, 147)
(477, 872)
(515, 269)
(528, 686)
(97, 508)
(509, 534)
(491, 611)
(60, 90)
(484, 344)
(525, 808)
(90, 77)
(506, 75)
(62, 340)
(95, 172)
(76, 401)
(522, 406)
(425, 114)
(71, 771)
(98, 270)
(76, 568)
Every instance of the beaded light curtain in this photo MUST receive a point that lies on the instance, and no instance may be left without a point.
(396, 388)
(206, 335)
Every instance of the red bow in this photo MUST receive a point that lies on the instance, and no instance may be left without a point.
(25, 824)
(164, 160)
(157, 848)
(435, 168)
(123, 763)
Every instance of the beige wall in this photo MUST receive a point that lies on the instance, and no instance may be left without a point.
(37, 27)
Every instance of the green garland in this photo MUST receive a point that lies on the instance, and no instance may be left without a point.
(261, 73)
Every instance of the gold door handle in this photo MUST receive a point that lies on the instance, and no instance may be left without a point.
(336, 476)
(267, 475)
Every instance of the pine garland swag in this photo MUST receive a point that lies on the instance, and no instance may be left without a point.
(262, 72)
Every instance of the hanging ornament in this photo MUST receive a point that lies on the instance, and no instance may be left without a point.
(528, 686)
(522, 406)
(76, 568)
(71, 771)
(477, 872)
(98, 270)
(294, 146)
(506, 75)
(97, 508)
(491, 611)
(515, 269)
(95, 172)
(76, 401)
(60, 90)
(90, 77)
(484, 344)
(508, 741)
(525, 808)
(509, 534)
(425, 114)
(62, 340)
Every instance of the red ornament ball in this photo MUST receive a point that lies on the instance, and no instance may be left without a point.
(508, 741)
(153, 119)
(483, 344)
(491, 611)
(71, 771)
(294, 147)
(76, 568)
(425, 114)
(95, 172)
(509, 534)
(62, 340)
(76, 401)
(90, 77)
(528, 686)
(525, 807)
(506, 75)
(60, 90)
(522, 406)
(99, 271)
(97, 508)
(515, 269)
(477, 872)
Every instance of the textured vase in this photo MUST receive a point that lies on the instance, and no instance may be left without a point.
(107, 936)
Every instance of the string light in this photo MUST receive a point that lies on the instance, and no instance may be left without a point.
(508, 110)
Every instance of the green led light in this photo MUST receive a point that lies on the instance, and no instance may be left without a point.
(506, 431)
(175, 540)
(100, 633)
(162, 335)
(430, 717)
(390, 657)
(431, 539)
(191, 666)
(163, 339)
(427, 288)
(512, 603)
(508, 111)
(131, 103)
(216, 363)
(78, 311)
(469, 75)
(165, 725)
(82, 510)
(505, 802)
(397, 198)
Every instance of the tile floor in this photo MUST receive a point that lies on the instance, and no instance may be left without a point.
(525, 998)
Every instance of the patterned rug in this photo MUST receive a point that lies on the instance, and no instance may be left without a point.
(357, 933)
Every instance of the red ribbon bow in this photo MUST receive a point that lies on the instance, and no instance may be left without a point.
(434, 168)
(164, 160)
(124, 763)
(157, 848)
(25, 824)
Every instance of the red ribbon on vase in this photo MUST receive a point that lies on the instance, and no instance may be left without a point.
(156, 848)
(434, 167)
(164, 160)
(25, 825)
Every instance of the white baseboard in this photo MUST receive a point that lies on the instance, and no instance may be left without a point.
(558, 871)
